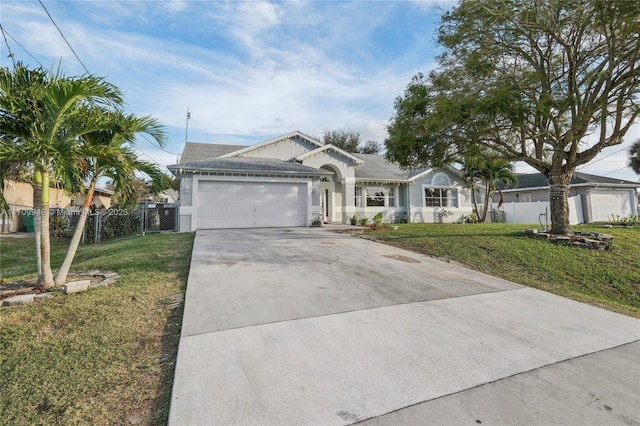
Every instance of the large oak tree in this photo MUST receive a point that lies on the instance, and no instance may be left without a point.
(550, 83)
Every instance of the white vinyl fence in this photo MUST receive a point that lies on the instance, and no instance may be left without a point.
(531, 212)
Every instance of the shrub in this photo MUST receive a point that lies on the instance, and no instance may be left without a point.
(377, 219)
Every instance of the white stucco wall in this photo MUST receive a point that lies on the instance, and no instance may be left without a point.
(418, 212)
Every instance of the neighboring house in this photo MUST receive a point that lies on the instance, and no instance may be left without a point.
(19, 196)
(294, 180)
(169, 196)
(600, 197)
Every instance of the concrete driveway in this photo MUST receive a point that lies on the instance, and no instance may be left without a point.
(309, 327)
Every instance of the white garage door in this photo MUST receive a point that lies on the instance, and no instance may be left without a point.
(607, 203)
(251, 204)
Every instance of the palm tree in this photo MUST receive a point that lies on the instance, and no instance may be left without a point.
(35, 110)
(107, 153)
(634, 156)
(492, 172)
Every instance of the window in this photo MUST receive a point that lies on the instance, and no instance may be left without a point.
(525, 197)
(440, 197)
(375, 197)
(391, 194)
(440, 179)
(358, 200)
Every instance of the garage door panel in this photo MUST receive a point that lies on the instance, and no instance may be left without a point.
(604, 204)
(251, 204)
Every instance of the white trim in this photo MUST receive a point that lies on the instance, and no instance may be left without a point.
(450, 169)
(271, 141)
(449, 187)
(345, 154)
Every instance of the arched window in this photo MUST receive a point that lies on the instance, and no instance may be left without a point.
(440, 179)
(440, 193)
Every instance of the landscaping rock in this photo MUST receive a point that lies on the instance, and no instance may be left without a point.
(591, 240)
(42, 296)
(18, 300)
(562, 240)
(76, 286)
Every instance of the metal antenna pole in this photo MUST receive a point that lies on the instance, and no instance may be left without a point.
(186, 128)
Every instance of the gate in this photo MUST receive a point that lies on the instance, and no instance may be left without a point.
(159, 217)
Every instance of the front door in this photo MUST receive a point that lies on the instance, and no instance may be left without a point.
(327, 205)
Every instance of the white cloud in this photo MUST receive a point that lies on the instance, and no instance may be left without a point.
(176, 5)
(247, 70)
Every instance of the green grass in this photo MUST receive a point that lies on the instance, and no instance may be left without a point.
(608, 279)
(105, 356)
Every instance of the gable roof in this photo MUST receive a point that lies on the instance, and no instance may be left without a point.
(202, 151)
(330, 147)
(539, 181)
(250, 148)
(376, 167)
(253, 165)
(209, 157)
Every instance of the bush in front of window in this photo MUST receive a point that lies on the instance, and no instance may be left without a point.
(377, 220)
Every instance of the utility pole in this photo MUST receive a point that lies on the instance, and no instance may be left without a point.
(186, 129)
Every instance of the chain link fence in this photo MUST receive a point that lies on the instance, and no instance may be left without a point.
(108, 224)
(101, 225)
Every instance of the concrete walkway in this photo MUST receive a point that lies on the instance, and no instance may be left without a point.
(309, 327)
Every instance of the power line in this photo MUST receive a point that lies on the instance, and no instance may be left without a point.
(616, 170)
(152, 159)
(63, 37)
(156, 146)
(6, 33)
(11, 55)
(606, 156)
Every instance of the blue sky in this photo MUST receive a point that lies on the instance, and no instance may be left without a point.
(247, 71)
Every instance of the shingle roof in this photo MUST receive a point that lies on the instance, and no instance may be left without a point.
(538, 180)
(203, 151)
(250, 165)
(206, 156)
(377, 167)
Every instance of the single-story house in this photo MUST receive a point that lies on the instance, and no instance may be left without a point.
(296, 180)
(600, 197)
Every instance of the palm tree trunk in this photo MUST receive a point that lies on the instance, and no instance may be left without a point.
(37, 224)
(487, 194)
(474, 200)
(45, 248)
(61, 276)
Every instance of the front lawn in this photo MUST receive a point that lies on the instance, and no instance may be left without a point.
(609, 279)
(105, 356)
